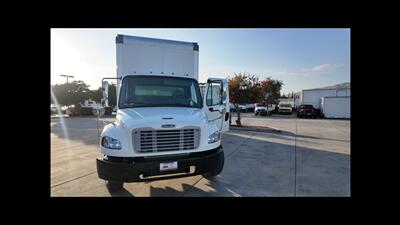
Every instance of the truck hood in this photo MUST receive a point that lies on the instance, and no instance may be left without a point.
(156, 116)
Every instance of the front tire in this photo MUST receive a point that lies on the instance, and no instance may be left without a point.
(217, 170)
(114, 185)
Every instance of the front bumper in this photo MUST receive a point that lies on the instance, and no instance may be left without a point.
(284, 111)
(310, 114)
(137, 169)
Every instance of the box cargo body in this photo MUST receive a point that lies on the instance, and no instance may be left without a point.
(313, 96)
(150, 56)
(335, 107)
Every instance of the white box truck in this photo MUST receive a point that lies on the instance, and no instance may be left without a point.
(335, 107)
(164, 127)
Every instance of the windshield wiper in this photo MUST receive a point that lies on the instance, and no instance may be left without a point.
(179, 105)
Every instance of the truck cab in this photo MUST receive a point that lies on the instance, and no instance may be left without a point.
(165, 128)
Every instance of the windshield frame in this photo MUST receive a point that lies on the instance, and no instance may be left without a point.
(196, 85)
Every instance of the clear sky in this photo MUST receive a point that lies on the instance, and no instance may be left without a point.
(301, 58)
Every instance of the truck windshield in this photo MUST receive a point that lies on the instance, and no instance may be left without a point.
(154, 91)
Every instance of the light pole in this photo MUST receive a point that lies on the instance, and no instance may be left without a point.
(67, 76)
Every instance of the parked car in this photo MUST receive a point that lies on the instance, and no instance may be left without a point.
(306, 111)
(90, 104)
(250, 107)
(242, 107)
(53, 109)
(64, 109)
(73, 110)
(263, 109)
(232, 107)
(285, 108)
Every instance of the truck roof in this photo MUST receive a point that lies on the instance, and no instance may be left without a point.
(126, 39)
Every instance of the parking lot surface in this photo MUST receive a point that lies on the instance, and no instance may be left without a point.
(256, 163)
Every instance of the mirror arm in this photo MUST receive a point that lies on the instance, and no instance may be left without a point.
(108, 78)
(102, 87)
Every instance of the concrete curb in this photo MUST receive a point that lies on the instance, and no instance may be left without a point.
(244, 128)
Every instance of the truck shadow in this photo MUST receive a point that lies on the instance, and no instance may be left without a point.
(171, 192)
(121, 193)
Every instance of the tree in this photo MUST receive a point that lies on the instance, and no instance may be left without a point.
(71, 93)
(243, 88)
(270, 90)
(76, 92)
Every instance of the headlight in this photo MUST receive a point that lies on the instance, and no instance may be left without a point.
(216, 136)
(109, 142)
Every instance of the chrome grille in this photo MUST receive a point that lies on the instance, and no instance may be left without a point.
(150, 140)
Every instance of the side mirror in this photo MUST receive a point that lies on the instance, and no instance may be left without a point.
(223, 92)
(104, 101)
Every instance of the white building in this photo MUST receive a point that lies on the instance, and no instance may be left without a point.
(314, 97)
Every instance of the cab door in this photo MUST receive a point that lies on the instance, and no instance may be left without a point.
(216, 103)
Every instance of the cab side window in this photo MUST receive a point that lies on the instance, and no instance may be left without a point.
(214, 94)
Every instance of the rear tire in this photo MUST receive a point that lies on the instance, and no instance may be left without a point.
(217, 170)
(114, 185)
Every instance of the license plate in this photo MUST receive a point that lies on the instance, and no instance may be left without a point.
(168, 166)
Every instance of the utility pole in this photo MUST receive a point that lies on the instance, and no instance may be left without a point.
(67, 76)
